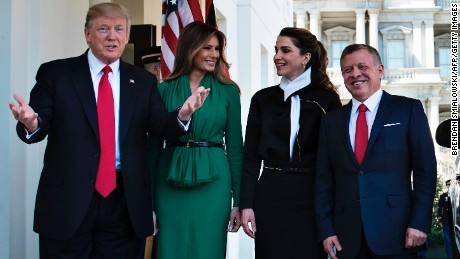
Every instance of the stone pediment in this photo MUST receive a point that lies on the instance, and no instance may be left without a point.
(442, 40)
(395, 29)
(339, 33)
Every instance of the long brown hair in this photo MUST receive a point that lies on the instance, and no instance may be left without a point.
(307, 43)
(192, 39)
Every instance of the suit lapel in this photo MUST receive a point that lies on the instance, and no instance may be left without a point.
(127, 99)
(83, 85)
(344, 123)
(384, 111)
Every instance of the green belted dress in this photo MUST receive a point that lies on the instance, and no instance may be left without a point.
(193, 187)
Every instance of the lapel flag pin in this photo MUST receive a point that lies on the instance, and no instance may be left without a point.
(131, 81)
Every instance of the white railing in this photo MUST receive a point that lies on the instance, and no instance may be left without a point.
(349, 4)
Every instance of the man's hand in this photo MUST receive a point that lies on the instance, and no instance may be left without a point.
(235, 220)
(329, 244)
(193, 103)
(24, 113)
(249, 222)
(414, 238)
(155, 226)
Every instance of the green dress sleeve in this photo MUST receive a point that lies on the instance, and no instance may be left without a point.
(234, 141)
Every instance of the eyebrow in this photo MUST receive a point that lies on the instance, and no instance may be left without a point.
(359, 64)
(283, 47)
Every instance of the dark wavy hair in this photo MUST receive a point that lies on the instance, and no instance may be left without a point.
(192, 39)
(307, 43)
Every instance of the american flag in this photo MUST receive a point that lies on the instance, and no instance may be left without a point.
(210, 13)
(176, 15)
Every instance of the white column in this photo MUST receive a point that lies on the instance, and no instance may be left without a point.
(8, 138)
(360, 28)
(429, 44)
(314, 22)
(24, 169)
(373, 28)
(300, 19)
(417, 43)
(43, 22)
(320, 30)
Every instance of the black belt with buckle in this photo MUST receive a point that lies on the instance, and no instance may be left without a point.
(189, 144)
(289, 166)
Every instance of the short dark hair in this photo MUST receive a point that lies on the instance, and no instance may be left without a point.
(355, 47)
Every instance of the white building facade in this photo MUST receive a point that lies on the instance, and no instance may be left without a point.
(412, 37)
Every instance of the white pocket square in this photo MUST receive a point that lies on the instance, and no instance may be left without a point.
(391, 124)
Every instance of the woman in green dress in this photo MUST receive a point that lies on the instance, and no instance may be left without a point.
(197, 175)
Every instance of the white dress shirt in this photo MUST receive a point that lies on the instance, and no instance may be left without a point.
(372, 103)
(95, 67)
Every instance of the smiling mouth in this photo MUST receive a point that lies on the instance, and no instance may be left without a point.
(280, 65)
(357, 83)
(111, 47)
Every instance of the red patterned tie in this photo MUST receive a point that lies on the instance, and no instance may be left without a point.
(361, 134)
(106, 179)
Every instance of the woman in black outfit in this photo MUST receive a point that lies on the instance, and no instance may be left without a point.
(282, 132)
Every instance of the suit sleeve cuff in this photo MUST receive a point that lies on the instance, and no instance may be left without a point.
(29, 135)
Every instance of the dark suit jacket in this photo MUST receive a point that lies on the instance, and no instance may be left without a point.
(64, 99)
(444, 208)
(378, 196)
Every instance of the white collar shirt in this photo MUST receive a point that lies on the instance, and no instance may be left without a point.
(95, 67)
(372, 103)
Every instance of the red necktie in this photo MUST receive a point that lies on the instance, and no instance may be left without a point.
(361, 134)
(106, 179)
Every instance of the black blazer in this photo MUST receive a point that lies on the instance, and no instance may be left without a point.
(64, 99)
(392, 190)
(444, 208)
(269, 127)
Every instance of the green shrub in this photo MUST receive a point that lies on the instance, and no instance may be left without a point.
(435, 237)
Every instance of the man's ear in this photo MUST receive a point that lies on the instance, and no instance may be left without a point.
(381, 69)
(87, 35)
